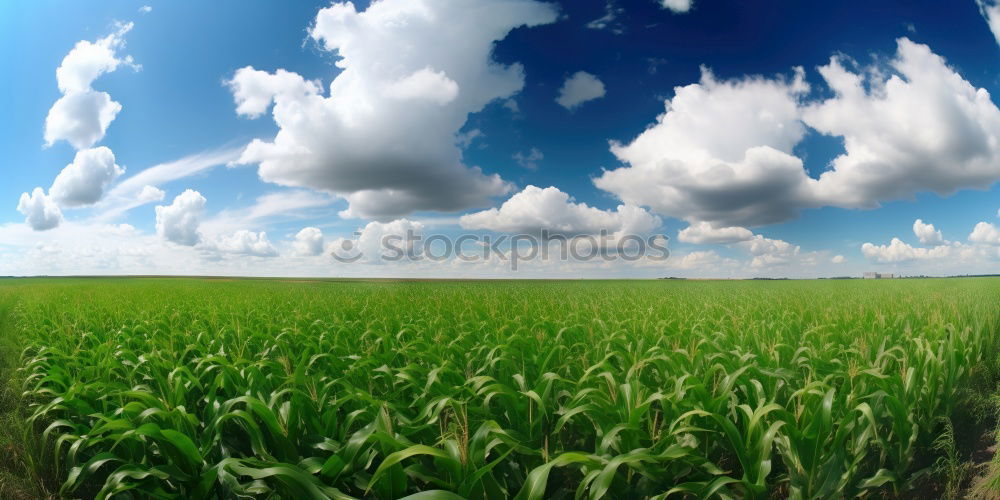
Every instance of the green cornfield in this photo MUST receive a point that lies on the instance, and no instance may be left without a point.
(196, 388)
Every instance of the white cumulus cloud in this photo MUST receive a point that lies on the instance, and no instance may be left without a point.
(927, 234)
(703, 233)
(89, 60)
(379, 240)
(254, 90)
(723, 150)
(767, 252)
(149, 194)
(40, 211)
(244, 242)
(578, 89)
(701, 260)
(383, 135)
(982, 247)
(915, 126)
(985, 233)
(308, 242)
(179, 221)
(721, 153)
(82, 115)
(899, 251)
(764, 252)
(84, 181)
(678, 6)
(534, 209)
(80, 118)
(424, 85)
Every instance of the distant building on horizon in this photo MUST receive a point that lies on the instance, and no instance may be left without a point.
(878, 276)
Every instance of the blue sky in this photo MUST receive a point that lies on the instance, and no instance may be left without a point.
(469, 134)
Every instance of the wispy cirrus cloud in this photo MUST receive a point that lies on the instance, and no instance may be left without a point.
(144, 187)
(284, 205)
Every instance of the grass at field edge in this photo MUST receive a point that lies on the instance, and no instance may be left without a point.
(19, 478)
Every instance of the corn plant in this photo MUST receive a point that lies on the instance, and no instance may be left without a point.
(170, 388)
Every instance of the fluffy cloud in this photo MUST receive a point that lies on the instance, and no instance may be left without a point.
(179, 221)
(927, 234)
(372, 236)
(983, 238)
(254, 90)
(764, 252)
(679, 6)
(82, 115)
(89, 60)
(701, 260)
(985, 233)
(534, 209)
(898, 251)
(384, 137)
(83, 182)
(769, 252)
(424, 85)
(990, 10)
(720, 153)
(578, 89)
(367, 247)
(921, 128)
(703, 233)
(244, 242)
(80, 118)
(40, 211)
(838, 259)
(308, 242)
(149, 194)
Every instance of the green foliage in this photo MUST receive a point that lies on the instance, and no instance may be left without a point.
(949, 466)
(210, 389)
